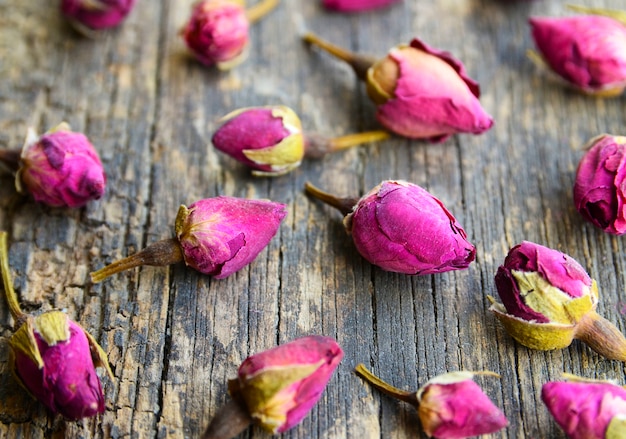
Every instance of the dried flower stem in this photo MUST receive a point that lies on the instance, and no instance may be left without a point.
(612, 13)
(602, 336)
(359, 63)
(165, 252)
(14, 305)
(344, 205)
(10, 158)
(402, 395)
(318, 146)
(228, 422)
(261, 9)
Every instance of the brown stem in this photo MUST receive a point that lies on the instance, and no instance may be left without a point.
(344, 205)
(11, 158)
(14, 305)
(602, 336)
(359, 63)
(261, 9)
(165, 252)
(318, 146)
(228, 422)
(402, 395)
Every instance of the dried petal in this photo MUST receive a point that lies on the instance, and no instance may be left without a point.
(356, 5)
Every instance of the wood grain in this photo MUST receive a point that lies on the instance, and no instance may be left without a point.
(174, 337)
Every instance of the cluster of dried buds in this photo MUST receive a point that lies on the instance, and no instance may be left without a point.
(90, 16)
(52, 357)
(60, 168)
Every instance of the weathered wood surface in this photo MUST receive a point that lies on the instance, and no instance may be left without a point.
(174, 336)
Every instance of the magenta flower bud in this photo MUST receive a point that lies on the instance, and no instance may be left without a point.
(450, 406)
(356, 5)
(267, 139)
(61, 168)
(587, 409)
(277, 388)
(400, 227)
(588, 52)
(217, 32)
(420, 92)
(549, 300)
(600, 186)
(215, 236)
(55, 360)
(93, 15)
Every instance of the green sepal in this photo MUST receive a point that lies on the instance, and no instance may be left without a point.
(23, 340)
(98, 356)
(616, 428)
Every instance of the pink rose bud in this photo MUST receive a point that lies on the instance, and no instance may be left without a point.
(588, 52)
(215, 236)
(93, 15)
(218, 30)
(277, 388)
(450, 406)
(400, 227)
(270, 140)
(55, 360)
(549, 300)
(53, 357)
(420, 92)
(356, 5)
(587, 409)
(61, 168)
(600, 186)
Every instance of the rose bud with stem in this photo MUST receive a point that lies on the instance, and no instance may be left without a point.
(52, 357)
(400, 227)
(217, 32)
(270, 140)
(586, 408)
(215, 236)
(60, 168)
(420, 92)
(277, 388)
(450, 406)
(548, 300)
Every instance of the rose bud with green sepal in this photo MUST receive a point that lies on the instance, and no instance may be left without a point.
(277, 388)
(60, 168)
(217, 33)
(420, 92)
(270, 140)
(215, 236)
(450, 406)
(600, 185)
(356, 5)
(400, 227)
(53, 358)
(587, 51)
(94, 15)
(548, 300)
(585, 408)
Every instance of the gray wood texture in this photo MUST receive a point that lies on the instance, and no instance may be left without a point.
(174, 337)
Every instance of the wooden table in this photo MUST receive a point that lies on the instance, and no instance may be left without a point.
(174, 336)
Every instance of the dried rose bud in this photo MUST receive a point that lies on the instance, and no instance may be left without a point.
(53, 357)
(600, 186)
(549, 300)
(587, 409)
(215, 236)
(588, 52)
(61, 168)
(420, 92)
(400, 227)
(450, 406)
(94, 15)
(356, 5)
(277, 388)
(271, 142)
(218, 30)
